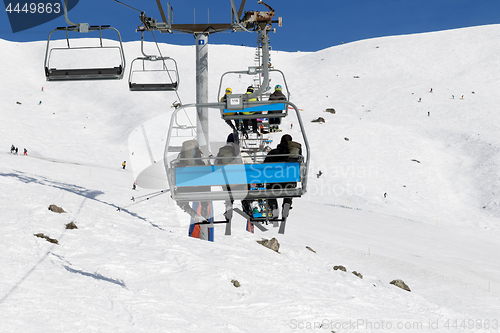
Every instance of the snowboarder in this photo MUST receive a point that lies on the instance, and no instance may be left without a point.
(124, 164)
(25, 152)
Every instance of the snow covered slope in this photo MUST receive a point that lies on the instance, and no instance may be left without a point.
(435, 156)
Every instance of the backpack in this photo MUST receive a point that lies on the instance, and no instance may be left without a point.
(226, 155)
(295, 151)
(191, 151)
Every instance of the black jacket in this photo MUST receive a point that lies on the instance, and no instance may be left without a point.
(277, 95)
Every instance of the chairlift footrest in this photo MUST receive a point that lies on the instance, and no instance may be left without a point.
(214, 222)
(153, 86)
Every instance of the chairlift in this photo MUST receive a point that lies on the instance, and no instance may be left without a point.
(87, 73)
(151, 72)
(252, 71)
(207, 179)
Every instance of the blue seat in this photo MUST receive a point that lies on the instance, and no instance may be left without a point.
(237, 174)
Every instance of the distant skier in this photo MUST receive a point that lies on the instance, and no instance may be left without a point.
(25, 152)
(385, 195)
(17, 149)
(452, 96)
(291, 126)
(428, 114)
(420, 99)
(431, 90)
(124, 164)
(12, 149)
(40, 103)
(134, 186)
(319, 174)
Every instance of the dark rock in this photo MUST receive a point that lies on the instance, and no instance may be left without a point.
(55, 209)
(307, 247)
(400, 283)
(235, 283)
(271, 244)
(357, 274)
(71, 225)
(319, 120)
(330, 110)
(51, 240)
(340, 267)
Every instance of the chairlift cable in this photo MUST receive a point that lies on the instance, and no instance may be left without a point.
(121, 3)
(147, 195)
(164, 65)
(146, 199)
(168, 73)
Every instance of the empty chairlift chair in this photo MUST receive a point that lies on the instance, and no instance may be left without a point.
(93, 61)
(153, 73)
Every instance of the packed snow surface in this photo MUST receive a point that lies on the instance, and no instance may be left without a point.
(409, 190)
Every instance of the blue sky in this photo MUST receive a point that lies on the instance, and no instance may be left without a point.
(307, 25)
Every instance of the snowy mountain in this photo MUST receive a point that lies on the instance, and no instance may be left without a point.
(409, 191)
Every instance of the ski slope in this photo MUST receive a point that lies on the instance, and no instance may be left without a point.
(437, 228)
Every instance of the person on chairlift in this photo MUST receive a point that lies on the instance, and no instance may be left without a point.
(281, 154)
(277, 95)
(255, 128)
(223, 99)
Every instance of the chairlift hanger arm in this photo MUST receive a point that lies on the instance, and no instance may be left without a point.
(150, 23)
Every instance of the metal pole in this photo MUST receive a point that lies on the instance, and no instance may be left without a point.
(202, 113)
(202, 91)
